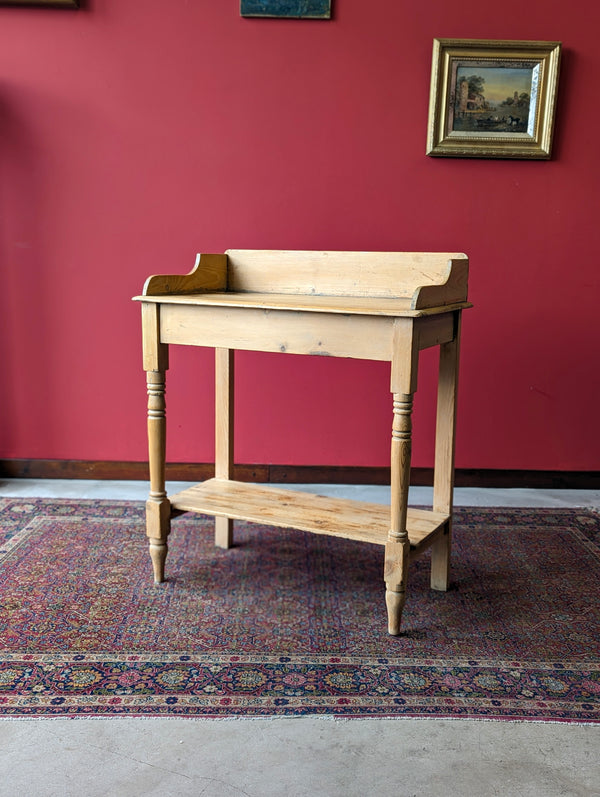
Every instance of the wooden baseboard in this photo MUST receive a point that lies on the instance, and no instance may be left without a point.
(294, 474)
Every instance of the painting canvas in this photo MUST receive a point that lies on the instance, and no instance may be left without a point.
(492, 99)
(293, 9)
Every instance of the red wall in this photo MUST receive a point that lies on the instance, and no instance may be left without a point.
(134, 133)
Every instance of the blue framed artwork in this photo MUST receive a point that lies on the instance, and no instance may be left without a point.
(292, 9)
(65, 3)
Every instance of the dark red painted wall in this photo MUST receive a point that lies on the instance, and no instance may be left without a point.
(134, 133)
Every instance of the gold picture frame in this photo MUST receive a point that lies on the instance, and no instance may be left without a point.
(492, 98)
(65, 3)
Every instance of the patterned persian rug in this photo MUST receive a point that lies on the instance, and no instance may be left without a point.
(289, 623)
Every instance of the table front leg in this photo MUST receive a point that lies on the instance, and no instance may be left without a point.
(158, 507)
(397, 549)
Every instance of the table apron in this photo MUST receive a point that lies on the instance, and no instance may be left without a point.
(434, 330)
(256, 329)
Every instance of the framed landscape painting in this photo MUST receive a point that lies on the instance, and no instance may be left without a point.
(292, 9)
(492, 99)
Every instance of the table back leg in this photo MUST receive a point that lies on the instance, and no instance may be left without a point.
(224, 431)
(443, 483)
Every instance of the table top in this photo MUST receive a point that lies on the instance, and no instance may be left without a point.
(346, 305)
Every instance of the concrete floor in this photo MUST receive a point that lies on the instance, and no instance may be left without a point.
(293, 757)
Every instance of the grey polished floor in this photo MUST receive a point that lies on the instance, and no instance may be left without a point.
(298, 757)
(463, 496)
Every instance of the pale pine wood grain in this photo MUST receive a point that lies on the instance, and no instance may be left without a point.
(224, 417)
(445, 441)
(158, 508)
(254, 329)
(368, 305)
(154, 351)
(354, 305)
(374, 274)
(273, 506)
(422, 279)
(209, 274)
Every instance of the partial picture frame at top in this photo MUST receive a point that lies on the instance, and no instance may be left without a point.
(286, 9)
(41, 3)
(492, 98)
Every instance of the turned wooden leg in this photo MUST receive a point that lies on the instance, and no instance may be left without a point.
(224, 380)
(158, 508)
(158, 517)
(397, 549)
(443, 482)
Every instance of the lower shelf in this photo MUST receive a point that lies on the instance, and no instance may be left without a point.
(338, 517)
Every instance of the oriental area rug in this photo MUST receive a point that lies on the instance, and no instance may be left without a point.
(290, 623)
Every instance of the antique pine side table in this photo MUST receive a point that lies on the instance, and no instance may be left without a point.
(366, 305)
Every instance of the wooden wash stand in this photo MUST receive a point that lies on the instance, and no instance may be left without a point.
(365, 305)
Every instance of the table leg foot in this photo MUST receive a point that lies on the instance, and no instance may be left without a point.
(395, 604)
(158, 555)
(395, 577)
(440, 563)
(223, 532)
(158, 526)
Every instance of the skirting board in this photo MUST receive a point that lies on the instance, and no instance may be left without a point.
(294, 474)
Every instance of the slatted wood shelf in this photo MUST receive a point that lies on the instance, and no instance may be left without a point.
(272, 506)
